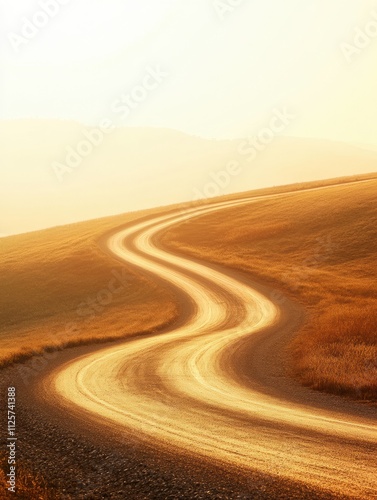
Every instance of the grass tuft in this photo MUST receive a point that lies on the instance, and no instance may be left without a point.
(29, 486)
(338, 352)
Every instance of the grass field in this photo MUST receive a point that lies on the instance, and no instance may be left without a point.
(58, 288)
(319, 248)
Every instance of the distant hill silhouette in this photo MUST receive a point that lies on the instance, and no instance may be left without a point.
(136, 168)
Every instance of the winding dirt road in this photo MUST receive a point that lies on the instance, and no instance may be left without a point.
(177, 389)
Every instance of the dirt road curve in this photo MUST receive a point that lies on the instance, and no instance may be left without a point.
(179, 390)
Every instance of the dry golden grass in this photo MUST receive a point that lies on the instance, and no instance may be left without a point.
(47, 277)
(319, 248)
(339, 351)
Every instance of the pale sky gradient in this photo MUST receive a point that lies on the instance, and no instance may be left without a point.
(225, 75)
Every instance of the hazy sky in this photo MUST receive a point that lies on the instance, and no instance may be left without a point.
(210, 68)
(227, 67)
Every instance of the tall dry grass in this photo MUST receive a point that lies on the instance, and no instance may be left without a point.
(337, 351)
